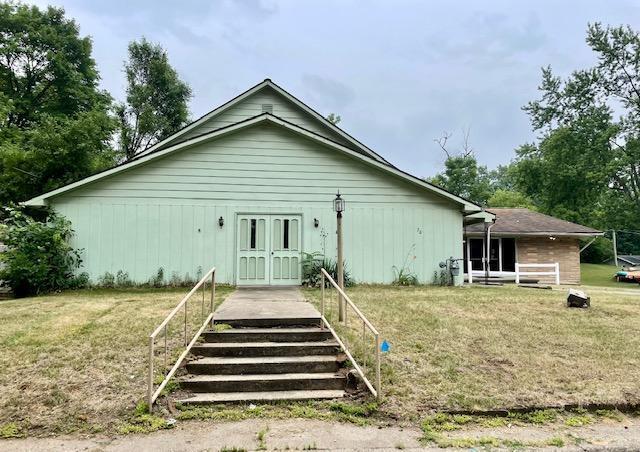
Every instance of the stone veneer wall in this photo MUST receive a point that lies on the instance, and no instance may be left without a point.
(543, 250)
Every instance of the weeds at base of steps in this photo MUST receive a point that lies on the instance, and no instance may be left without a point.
(357, 413)
(144, 422)
(141, 421)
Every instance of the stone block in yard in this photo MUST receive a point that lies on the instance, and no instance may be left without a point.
(578, 299)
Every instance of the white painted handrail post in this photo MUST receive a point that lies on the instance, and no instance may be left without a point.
(470, 272)
(517, 273)
(557, 267)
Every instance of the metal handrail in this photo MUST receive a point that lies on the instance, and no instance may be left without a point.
(375, 389)
(151, 394)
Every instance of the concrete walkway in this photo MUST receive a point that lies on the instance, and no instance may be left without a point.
(286, 434)
(308, 434)
(264, 303)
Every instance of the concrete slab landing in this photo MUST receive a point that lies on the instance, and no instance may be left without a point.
(265, 303)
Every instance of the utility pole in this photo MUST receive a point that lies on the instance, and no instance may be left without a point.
(615, 247)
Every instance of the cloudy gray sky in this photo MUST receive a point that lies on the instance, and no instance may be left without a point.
(399, 72)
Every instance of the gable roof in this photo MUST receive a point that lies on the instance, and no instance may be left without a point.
(266, 84)
(467, 206)
(525, 222)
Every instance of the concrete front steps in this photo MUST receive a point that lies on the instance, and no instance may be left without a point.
(263, 360)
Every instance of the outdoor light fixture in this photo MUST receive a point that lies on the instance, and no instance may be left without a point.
(220, 221)
(316, 223)
(338, 203)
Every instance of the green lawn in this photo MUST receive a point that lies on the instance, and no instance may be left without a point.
(602, 275)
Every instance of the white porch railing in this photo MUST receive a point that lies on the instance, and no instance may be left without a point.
(349, 330)
(471, 274)
(480, 274)
(179, 342)
(555, 266)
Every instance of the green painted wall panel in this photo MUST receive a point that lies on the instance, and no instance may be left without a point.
(252, 106)
(165, 213)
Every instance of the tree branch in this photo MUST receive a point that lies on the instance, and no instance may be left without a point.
(442, 142)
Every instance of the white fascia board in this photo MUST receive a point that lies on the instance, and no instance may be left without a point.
(537, 234)
(205, 118)
(265, 117)
(41, 200)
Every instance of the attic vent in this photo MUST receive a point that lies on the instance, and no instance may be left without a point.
(267, 108)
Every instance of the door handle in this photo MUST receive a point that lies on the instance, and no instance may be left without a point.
(272, 253)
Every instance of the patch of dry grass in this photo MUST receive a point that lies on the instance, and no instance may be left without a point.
(77, 361)
(484, 348)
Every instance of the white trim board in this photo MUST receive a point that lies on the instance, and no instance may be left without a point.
(267, 83)
(467, 206)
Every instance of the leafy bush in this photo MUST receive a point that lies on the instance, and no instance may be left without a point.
(442, 278)
(311, 265)
(39, 258)
(404, 277)
(158, 279)
(107, 280)
(123, 280)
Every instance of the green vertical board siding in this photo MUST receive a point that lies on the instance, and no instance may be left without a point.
(252, 106)
(165, 213)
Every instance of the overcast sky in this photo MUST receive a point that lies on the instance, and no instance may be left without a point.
(400, 73)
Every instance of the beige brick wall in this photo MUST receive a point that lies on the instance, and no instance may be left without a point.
(542, 250)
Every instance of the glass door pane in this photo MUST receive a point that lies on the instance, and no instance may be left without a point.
(494, 255)
(476, 252)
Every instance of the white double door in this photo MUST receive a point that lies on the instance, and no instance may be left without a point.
(268, 250)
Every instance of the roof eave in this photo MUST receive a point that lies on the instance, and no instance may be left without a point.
(291, 98)
(537, 234)
(265, 117)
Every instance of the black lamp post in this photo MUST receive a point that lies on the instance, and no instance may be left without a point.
(338, 206)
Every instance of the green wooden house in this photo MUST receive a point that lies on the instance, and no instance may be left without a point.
(248, 188)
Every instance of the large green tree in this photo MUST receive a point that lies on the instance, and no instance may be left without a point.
(463, 175)
(55, 123)
(586, 166)
(157, 100)
(510, 198)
